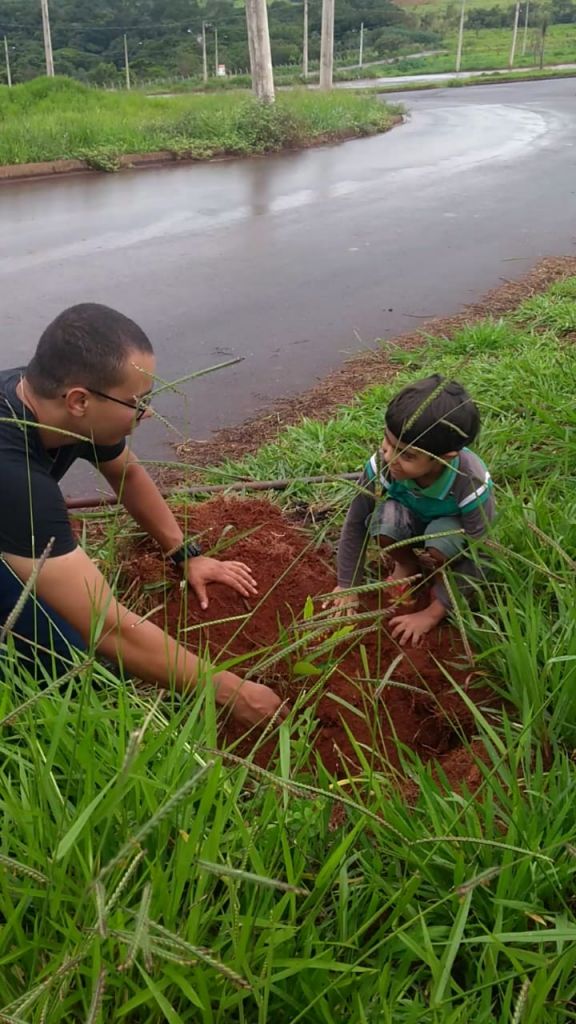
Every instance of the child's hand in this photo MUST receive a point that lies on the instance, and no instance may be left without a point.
(411, 628)
(341, 602)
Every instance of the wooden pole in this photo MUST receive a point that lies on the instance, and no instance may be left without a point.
(327, 45)
(361, 54)
(305, 42)
(514, 35)
(126, 62)
(461, 36)
(204, 54)
(103, 501)
(47, 39)
(525, 39)
(260, 52)
(7, 56)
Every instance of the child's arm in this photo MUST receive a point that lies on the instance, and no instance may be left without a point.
(354, 536)
(477, 523)
(352, 544)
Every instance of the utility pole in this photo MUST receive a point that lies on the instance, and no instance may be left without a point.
(327, 45)
(514, 35)
(260, 53)
(126, 63)
(305, 42)
(251, 51)
(361, 54)
(525, 40)
(7, 55)
(216, 62)
(543, 31)
(204, 54)
(460, 36)
(47, 39)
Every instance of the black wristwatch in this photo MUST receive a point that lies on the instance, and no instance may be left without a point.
(189, 549)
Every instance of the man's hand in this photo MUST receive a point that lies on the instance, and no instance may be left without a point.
(74, 587)
(410, 629)
(250, 703)
(341, 602)
(201, 570)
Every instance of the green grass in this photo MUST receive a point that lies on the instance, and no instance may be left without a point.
(488, 78)
(59, 118)
(483, 49)
(144, 878)
(443, 5)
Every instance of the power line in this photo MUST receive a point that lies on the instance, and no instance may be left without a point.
(188, 25)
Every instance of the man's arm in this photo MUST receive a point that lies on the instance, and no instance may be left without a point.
(74, 587)
(142, 499)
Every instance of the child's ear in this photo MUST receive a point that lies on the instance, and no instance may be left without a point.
(448, 455)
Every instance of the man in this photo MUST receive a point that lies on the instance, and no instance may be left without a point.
(87, 387)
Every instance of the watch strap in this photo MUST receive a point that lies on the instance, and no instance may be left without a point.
(189, 549)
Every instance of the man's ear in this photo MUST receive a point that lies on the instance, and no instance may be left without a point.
(76, 401)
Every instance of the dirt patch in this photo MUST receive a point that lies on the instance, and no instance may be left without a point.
(364, 370)
(418, 708)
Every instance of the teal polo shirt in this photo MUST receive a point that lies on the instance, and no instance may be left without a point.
(463, 486)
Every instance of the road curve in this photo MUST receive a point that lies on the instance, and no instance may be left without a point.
(293, 261)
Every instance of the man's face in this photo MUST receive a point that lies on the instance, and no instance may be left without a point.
(109, 417)
(406, 463)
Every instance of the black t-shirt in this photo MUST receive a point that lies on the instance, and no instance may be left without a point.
(33, 508)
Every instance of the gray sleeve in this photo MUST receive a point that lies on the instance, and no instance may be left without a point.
(477, 523)
(473, 479)
(354, 535)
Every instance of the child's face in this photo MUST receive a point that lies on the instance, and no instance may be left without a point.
(406, 463)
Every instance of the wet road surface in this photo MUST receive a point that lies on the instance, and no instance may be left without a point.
(293, 261)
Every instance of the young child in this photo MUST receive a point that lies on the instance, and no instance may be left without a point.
(430, 484)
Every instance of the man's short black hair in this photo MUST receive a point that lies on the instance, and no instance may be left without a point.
(86, 345)
(434, 414)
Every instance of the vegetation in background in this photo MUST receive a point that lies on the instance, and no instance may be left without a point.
(164, 40)
(164, 43)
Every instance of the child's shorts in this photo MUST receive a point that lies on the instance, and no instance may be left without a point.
(391, 519)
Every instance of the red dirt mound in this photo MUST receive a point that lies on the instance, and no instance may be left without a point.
(418, 707)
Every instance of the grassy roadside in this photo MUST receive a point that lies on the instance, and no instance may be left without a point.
(59, 118)
(379, 71)
(483, 50)
(488, 78)
(145, 878)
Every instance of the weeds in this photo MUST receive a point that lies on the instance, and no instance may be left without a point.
(147, 876)
(52, 119)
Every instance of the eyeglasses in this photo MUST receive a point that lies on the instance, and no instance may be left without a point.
(139, 406)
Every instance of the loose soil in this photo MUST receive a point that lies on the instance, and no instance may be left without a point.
(418, 709)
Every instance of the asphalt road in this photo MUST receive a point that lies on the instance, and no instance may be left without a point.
(291, 262)
(442, 76)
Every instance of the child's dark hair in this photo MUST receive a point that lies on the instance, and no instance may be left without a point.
(434, 414)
